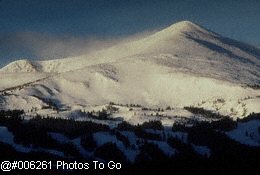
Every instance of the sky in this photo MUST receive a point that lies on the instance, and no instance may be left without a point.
(46, 29)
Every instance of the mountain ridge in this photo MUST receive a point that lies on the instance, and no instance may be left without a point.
(181, 40)
(182, 65)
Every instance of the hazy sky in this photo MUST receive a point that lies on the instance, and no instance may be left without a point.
(29, 27)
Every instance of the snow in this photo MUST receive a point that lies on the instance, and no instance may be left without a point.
(202, 150)
(10, 80)
(8, 138)
(210, 52)
(20, 66)
(76, 142)
(131, 136)
(82, 151)
(181, 65)
(104, 137)
(168, 133)
(160, 88)
(59, 137)
(247, 133)
(5, 135)
(167, 150)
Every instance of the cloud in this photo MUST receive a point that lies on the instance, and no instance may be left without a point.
(39, 46)
(43, 46)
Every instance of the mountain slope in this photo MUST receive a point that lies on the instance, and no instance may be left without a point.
(182, 65)
(184, 46)
(21, 66)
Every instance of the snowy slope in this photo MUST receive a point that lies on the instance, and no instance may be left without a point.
(183, 45)
(8, 138)
(247, 133)
(182, 65)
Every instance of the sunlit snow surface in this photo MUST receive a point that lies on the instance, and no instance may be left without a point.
(182, 65)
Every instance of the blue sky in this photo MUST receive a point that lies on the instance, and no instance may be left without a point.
(61, 20)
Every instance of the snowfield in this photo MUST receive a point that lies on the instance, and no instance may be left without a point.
(182, 65)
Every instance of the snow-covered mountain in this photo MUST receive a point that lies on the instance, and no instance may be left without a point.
(183, 45)
(181, 65)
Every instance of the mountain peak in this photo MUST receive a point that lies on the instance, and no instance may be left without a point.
(22, 65)
(184, 26)
(185, 23)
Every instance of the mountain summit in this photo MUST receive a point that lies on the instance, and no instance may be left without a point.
(182, 27)
(181, 65)
(188, 46)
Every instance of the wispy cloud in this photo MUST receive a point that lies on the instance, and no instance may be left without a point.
(43, 46)
(32, 45)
